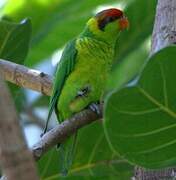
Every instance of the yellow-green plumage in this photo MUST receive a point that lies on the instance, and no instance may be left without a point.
(84, 67)
(93, 62)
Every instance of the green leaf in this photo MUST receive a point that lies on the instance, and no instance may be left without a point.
(14, 40)
(141, 17)
(14, 45)
(127, 69)
(140, 121)
(93, 159)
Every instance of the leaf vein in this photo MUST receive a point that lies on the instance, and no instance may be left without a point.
(93, 152)
(147, 133)
(137, 112)
(154, 101)
(5, 40)
(158, 147)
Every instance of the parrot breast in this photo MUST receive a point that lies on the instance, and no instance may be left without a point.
(86, 83)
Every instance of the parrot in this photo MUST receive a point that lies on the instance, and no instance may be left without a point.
(84, 68)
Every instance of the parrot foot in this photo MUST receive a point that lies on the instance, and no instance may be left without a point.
(94, 107)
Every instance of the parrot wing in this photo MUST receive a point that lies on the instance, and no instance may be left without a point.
(64, 68)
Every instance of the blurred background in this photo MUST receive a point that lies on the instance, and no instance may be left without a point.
(55, 22)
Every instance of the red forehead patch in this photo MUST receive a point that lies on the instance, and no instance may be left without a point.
(113, 12)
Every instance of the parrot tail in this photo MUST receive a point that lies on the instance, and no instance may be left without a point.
(67, 150)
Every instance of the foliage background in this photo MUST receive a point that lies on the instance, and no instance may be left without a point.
(54, 22)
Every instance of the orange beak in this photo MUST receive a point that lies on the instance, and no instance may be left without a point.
(123, 23)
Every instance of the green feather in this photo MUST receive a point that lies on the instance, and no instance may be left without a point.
(64, 68)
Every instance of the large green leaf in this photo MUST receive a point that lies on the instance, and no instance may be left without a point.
(140, 121)
(14, 45)
(93, 159)
(14, 40)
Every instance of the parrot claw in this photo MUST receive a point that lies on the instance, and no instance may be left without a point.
(94, 107)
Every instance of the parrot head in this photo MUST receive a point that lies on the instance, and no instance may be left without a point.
(107, 24)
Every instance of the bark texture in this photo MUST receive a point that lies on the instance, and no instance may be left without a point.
(25, 77)
(16, 160)
(164, 34)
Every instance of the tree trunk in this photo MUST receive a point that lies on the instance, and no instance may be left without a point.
(16, 160)
(164, 34)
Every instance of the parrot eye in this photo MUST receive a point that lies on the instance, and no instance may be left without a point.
(106, 20)
(111, 19)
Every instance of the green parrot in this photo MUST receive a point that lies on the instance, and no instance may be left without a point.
(84, 68)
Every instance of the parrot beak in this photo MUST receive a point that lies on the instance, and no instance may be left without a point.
(123, 23)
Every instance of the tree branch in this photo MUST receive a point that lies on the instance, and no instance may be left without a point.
(25, 77)
(63, 131)
(16, 159)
